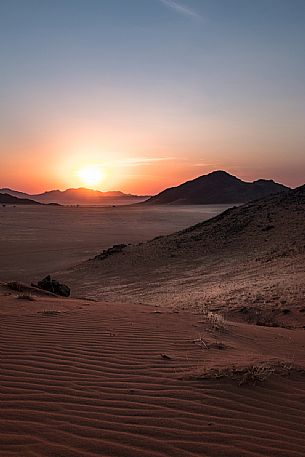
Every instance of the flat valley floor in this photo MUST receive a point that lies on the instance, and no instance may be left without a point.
(190, 345)
(35, 241)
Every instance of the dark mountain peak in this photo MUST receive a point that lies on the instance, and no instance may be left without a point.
(217, 187)
(220, 174)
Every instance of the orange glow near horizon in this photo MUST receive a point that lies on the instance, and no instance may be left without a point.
(136, 175)
(172, 97)
(113, 163)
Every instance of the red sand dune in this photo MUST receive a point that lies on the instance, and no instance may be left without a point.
(88, 379)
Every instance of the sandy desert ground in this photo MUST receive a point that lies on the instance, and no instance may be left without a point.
(190, 344)
(80, 378)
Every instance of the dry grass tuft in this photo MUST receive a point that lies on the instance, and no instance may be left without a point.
(14, 285)
(50, 313)
(216, 321)
(204, 344)
(28, 297)
(250, 374)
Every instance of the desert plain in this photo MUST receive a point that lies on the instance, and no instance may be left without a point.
(189, 344)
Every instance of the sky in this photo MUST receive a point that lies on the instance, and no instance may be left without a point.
(140, 95)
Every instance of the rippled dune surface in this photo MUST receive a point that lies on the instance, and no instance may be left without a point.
(80, 378)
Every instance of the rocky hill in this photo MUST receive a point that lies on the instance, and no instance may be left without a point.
(251, 255)
(218, 187)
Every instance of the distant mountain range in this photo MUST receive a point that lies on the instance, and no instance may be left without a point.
(218, 187)
(81, 196)
(7, 199)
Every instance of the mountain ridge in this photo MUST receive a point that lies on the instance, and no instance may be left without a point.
(217, 187)
(7, 199)
(79, 195)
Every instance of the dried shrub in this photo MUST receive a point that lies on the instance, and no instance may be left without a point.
(250, 374)
(50, 313)
(216, 321)
(28, 297)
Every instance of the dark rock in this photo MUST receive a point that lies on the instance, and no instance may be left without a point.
(267, 228)
(115, 249)
(51, 285)
(166, 357)
(244, 310)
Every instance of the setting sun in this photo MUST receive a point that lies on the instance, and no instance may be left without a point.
(91, 175)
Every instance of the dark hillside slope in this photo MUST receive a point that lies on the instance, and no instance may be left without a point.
(249, 254)
(218, 187)
(6, 199)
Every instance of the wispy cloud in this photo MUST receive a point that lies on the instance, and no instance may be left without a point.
(136, 161)
(203, 164)
(181, 9)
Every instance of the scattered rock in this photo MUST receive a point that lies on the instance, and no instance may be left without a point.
(267, 228)
(115, 249)
(166, 357)
(286, 311)
(25, 289)
(244, 310)
(51, 285)
(218, 345)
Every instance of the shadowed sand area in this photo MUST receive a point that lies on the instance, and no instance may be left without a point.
(89, 379)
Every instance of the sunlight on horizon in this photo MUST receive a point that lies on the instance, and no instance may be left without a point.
(91, 175)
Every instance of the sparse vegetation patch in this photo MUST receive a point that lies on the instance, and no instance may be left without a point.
(250, 374)
(28, 297)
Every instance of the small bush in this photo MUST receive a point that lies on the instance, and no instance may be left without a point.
(217, 321)
(14, 285)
